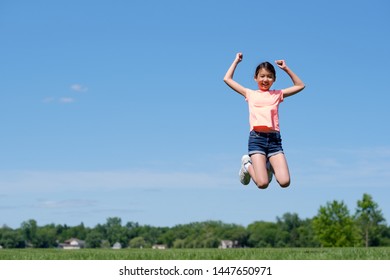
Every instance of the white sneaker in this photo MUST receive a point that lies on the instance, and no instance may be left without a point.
(245, 178)
(270, 171)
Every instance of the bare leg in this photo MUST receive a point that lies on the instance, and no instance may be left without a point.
(258, 171)
(282, 174)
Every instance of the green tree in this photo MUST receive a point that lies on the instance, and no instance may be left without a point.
(151, 234)
(105, 244)
(46, 237)
(62, 233)
(235, 233)
(369, 218)
(262, 234)
(289, 225)
(168, 238)
(334, 227)
(385, 235)
(79, 231)
(137, 242)
(115, 232)
(29, 232)
(10, 238)
(179, 243)
(94, 239)
(307, 235)
(132, 229)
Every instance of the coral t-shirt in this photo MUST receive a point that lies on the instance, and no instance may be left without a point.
(263, 109)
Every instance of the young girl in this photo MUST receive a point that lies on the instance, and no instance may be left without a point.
(265, 143)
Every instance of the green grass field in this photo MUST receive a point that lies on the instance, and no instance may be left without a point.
(382, 253)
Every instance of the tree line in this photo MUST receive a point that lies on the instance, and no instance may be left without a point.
(333, 226)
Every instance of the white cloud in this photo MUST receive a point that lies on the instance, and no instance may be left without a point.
(66, 100)
(55, 181)
(48, 99)
(79, 88)
(344, 168)
(70, 203)
(360, 167)
(62, 100)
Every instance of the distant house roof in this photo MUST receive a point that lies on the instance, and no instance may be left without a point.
(73, 243)
(117, 245)
(225, 244)
(159, 246)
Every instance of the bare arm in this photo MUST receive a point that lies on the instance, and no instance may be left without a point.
(228, 79)
(298, 84)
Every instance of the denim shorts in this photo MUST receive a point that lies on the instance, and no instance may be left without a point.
(266, 143)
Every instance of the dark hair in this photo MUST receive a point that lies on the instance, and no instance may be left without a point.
(267, 66)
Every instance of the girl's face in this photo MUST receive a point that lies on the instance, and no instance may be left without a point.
(265, 79)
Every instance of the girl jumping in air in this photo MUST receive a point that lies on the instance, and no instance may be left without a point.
(265, 144)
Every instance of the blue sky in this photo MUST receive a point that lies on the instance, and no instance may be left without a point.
(118, 109)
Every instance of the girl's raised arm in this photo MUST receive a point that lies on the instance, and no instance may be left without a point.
(298, 84)
(228, 79)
